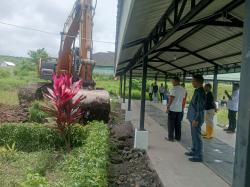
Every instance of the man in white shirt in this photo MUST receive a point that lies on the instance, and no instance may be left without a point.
(174, 110)
(232, 105)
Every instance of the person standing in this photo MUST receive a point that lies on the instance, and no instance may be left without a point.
(162, 92)
(155, 92)
(195, 116)
(210, 109)
(150, 92)
(232, 105)
(174, 110)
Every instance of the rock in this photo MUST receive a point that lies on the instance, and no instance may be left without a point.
(123, 131)
(96, 105)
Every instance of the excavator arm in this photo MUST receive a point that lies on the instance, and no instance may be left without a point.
(79, 21)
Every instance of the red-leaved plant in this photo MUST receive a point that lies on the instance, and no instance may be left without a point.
(63, 105)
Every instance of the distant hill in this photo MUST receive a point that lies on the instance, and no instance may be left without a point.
(104, 59)
(12, 59)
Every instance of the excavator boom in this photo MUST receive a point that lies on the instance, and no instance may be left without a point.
(79, 21)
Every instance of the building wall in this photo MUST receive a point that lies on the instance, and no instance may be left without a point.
(105, 70)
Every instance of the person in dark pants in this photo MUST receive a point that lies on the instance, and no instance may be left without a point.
(232, 105)
(155, 92)
(162, 92)
(196, 117)
(174, 110)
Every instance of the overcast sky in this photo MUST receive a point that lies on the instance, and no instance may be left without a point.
(49, 15)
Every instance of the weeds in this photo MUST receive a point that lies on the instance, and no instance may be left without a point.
(36, 114)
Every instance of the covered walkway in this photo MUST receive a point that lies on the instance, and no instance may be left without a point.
(169, 160)
(162, 39)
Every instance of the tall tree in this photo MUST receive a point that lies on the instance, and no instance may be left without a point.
(36, 55)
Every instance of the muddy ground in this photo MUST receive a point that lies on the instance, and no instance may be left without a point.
(13, 113)
(129, 167)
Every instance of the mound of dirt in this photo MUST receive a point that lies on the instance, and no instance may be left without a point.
(13, 114)
(32, 92)
(129, 167)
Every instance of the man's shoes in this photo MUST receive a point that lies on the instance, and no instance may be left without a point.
(207, 137)
(195, 159)
(189, 153)
(230, 131)
(226, 129)
(168, 139)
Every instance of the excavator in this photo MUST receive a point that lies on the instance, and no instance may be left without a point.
(77, 61)
(73, 60)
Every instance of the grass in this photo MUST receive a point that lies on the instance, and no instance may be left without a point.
(11, 79)
(16, 166)
(113, 85)
(222, 119)
(9, 97)
(86, 165)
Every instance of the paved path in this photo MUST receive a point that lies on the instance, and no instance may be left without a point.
(218, 155)
(168, 158)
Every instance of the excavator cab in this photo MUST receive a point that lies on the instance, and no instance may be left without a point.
(47, 67)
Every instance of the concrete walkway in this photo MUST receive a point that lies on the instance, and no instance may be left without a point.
(169, 160)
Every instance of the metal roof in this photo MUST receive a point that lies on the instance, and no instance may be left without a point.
(183, 36)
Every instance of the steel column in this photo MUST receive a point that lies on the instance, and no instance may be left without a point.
(215, 83)
(124, 88)
(120, 90)
(184, 77)
(165, 80)
(130, 90)
(242, 153)
(143, 90)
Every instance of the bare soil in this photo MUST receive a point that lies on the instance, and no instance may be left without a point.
(13, 114)
(129, 167)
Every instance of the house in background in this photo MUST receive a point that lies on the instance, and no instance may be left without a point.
(104, 63)
(6, 64)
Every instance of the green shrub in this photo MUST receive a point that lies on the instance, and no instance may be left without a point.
(4, 73)
(30, 137)
(34, 180)
(36, 114)
(136, 84)
(88, 165)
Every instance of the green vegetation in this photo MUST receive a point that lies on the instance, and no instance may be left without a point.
(26, 169)
(222, 117)
(9, 97)
(112, 85)
(25, 165)
(12, 59)
(35, 137)
(37, 54)
(11, 79)
(88, 166)
(36, 114)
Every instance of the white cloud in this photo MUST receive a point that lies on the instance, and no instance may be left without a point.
(49, 15)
